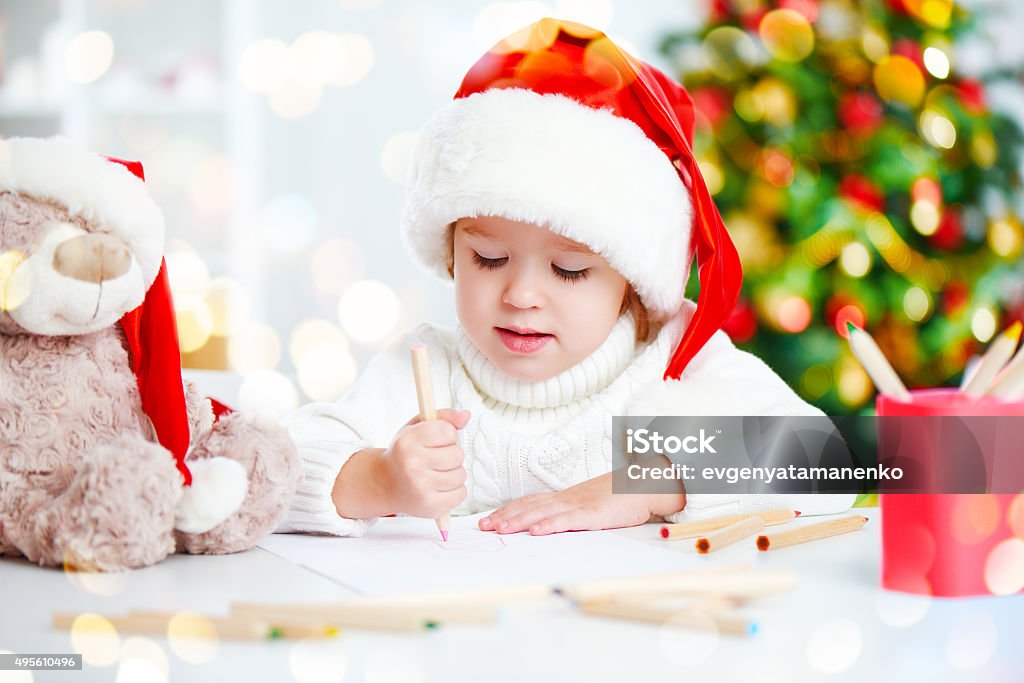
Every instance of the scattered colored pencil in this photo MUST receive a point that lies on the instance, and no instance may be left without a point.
(199, 626)
(425, 397)
(730, 534)
(813, 532)
(673, 532)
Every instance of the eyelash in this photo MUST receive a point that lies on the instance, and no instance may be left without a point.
(570, 276)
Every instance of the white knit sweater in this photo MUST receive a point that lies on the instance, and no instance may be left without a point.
(524, 437)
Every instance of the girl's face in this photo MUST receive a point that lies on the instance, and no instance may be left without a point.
(533, 302)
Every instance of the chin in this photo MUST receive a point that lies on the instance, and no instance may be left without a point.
(526, 369)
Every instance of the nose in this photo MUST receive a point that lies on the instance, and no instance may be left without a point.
(95, 257)
(524, 287)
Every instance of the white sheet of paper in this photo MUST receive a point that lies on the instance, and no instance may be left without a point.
(405, 554)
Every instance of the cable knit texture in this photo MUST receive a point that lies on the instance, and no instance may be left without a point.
(525, 437)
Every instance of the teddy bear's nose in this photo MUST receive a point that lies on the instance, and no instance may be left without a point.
(93, 258)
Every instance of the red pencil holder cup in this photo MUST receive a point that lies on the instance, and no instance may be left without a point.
(952, 544)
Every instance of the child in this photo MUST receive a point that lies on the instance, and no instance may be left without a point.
(559, 191)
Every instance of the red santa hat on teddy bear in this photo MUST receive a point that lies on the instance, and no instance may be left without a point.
(110, 193)
(556, 125)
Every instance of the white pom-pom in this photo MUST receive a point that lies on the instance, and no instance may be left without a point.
(218, 488)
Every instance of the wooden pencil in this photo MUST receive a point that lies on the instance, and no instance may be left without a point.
(229, 628)
(813, 532)
(282, 628)
(999, 352)
(730, 534)
(875, 364)
(675, 532)
(425, 398)
(370, 616)
(708, 581)
(1010, 383)
(686, 618)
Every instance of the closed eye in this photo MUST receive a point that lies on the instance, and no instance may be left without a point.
(571, 275)
(488, 263)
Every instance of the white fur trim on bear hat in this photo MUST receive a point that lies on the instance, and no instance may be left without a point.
(102, 192)
(584, 173)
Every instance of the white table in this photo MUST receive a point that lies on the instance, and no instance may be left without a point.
(838, 626)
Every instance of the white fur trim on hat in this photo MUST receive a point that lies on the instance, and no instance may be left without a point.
(584, 173)
(102, 192)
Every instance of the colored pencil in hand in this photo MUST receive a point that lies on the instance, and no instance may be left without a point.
(425, 397)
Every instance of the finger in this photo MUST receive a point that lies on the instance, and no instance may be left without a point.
(456, 418)
(435, 433)
(445, 482)
(572, 519)
(445, 458)
(531, 516)
(500, 519)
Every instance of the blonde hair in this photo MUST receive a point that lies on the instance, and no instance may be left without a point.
(631, 302)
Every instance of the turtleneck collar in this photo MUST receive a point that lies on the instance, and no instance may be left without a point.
(588, 377)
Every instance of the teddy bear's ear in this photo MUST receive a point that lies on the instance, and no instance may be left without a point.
(106, 192)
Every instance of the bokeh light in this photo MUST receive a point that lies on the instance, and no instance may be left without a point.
(834, 645)
(786, 35)
(357, 59)
(983, 324)
(368, 311)
(937, 62)
(195, 326)
(1005, 237)
(729, 52)
(315, 332)
(294, 100)
(106, 584)
(924, 216)
(335, 264)
(938, 130)
(855, 259)
(902, 609)
(853, 385)
(316, 57)
(316, 662)
(192, 638)
(95, 638)
(264, 65)
(971, 640)
(917, 304)
(326, 371)
(396, 156)
(188, 275)
(268, 393)
(89, 56)
(142, 661)
(794, 314)
(253, 348)
(1004, 567)
(289, 223)
(499, 19)
(974, 518)
(898, 79)
(229, 305)
(1015, 516)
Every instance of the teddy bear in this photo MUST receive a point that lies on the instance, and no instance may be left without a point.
(108, 459)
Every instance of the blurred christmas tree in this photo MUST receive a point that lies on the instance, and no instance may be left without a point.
(863, 179)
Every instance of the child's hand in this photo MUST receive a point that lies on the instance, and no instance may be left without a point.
(423, 466)
(586, 506)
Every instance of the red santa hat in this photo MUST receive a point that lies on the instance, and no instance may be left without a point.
(113, 196)
(556, 125)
